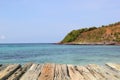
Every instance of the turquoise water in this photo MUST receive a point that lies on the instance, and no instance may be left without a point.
(53, 53)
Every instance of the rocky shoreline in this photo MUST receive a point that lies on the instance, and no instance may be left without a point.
(91, 43)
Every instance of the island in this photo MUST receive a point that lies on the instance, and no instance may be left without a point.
(103, 35)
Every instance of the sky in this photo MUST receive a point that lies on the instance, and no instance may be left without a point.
(48, 21)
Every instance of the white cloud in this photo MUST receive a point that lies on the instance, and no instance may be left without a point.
(2, 37)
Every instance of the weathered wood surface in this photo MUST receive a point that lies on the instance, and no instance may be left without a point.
(74, 74)
(61, 72)
(30, 71)
(2, 67)
(47, 72)
(94, 72)
(100, 73)
(114, 75)
(114, 66)
(4, 74)
(17, 74)
(86, 73)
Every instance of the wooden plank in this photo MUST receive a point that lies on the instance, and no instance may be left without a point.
(86, 73)
(20, 72)
(58, 74)
(74, 74)
(95, 72)
(8, 71)
(27, 66)
(3, 67)
(61, 72)
(114, 66)
(112, 71)
(37, 73)
(47, 72)
(100, 70)
(65, 72)
(32, 73)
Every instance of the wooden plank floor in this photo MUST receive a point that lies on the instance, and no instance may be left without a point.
(50, 71)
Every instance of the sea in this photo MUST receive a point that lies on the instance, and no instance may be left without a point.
(61, 54)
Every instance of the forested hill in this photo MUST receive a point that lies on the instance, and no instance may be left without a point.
(106, 34)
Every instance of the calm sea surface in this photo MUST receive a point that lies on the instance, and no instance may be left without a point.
(53, 53)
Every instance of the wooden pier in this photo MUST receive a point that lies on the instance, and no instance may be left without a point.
(50, 71)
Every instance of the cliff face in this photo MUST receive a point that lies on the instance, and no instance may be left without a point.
(109, 34)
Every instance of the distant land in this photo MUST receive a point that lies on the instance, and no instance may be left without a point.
(104, 35)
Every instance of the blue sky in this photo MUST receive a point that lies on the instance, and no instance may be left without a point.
(47, 21)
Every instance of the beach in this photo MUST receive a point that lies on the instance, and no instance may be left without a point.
(59, 40)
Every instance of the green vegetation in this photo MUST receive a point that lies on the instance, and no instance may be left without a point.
(111, 25)
(117, 35)
(75, 33)
(91, 36)
(91, 28)
(106, 33)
